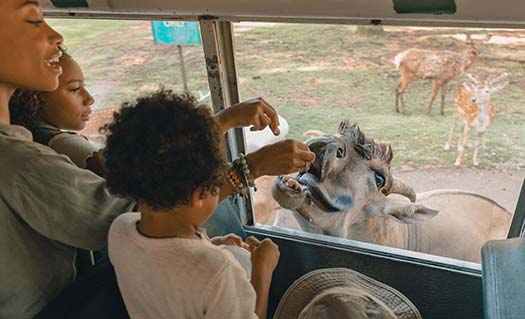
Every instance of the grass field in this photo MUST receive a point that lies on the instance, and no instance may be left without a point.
(316, 75)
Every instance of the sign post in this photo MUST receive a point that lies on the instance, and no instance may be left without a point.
(180, 33)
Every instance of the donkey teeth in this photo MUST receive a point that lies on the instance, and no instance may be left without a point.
(293, 184)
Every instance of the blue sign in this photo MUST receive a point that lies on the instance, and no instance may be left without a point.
(176, 32)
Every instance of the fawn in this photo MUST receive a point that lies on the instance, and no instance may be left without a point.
(477, 111)
(438, 65)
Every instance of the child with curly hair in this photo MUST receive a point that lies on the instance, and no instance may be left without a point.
(55, 117)
(165, 152)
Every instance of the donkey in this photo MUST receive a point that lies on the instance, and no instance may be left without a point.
(345, 193)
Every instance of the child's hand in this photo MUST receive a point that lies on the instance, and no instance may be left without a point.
(264, 254)
(230, 239)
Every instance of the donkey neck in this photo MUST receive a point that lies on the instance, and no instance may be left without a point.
(379, 230)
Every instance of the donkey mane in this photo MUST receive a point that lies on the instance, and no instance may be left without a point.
(365, 146)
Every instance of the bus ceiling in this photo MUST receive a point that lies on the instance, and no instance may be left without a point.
(465, 13)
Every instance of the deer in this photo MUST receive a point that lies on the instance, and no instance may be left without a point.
(439, 65)
(473, 105)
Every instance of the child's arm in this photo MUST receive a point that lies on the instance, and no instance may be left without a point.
(264, 256)
(81, 151)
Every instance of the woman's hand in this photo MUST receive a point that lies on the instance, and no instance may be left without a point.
(288, 156)
(230, 239)
(256, 112)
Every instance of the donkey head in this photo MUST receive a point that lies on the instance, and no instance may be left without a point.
(351, 175)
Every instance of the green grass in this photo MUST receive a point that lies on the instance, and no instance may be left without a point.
(316, 75)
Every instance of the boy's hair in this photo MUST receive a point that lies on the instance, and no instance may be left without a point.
(162, 148)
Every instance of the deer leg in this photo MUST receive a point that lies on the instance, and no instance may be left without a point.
(435, 89)
(460, 138)
(461, 147)
(451, 132)
(403, 103)
(397, 98)
(443, 93)
(401, 87)
(475, 158)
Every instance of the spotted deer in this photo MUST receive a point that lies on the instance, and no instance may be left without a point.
(439, 65)
(473, 105)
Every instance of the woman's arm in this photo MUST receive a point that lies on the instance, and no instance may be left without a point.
(256, 112)
(281, 158)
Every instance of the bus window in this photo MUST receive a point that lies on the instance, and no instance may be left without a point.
(320, 75)
(121, 62)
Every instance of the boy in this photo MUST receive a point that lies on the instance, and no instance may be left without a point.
(165, 152)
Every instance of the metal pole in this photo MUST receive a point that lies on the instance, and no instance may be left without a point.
(218, 45)
(183, 69)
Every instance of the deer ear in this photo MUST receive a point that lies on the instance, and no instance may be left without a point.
(469, 87)
(498, 87)
(408, 213)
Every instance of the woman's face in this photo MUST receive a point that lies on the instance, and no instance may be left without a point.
(69, 106)
(29, 48)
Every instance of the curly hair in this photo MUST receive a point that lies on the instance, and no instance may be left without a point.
(162, 148)
(24, 107)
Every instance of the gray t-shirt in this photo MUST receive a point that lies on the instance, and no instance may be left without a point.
(48, 206)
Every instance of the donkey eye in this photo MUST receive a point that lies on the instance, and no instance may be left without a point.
(340, 153)
(380, 180)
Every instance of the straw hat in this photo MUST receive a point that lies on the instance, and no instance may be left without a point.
(341, 293)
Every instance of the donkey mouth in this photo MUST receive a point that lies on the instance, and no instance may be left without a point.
(320, 198)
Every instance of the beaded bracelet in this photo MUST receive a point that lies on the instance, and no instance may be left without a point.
(241, 164)
(235, 181)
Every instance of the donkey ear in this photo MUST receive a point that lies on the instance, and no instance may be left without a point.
(408, 213)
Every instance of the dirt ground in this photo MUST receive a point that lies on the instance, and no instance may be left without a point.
(502, 186)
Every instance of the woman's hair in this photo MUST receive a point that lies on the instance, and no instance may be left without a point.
(24, 107)
(162, 148)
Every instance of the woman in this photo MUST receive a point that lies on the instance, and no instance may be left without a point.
(48, 206)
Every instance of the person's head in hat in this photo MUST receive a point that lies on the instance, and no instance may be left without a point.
(343, 294)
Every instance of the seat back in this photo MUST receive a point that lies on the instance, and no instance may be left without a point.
(226, 219)
(503, 266)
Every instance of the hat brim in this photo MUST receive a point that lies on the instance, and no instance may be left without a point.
(304, 289)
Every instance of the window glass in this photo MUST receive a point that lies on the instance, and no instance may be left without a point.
(121, 62)
(318, 75)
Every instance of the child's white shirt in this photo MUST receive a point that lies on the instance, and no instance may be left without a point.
(177, 277)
